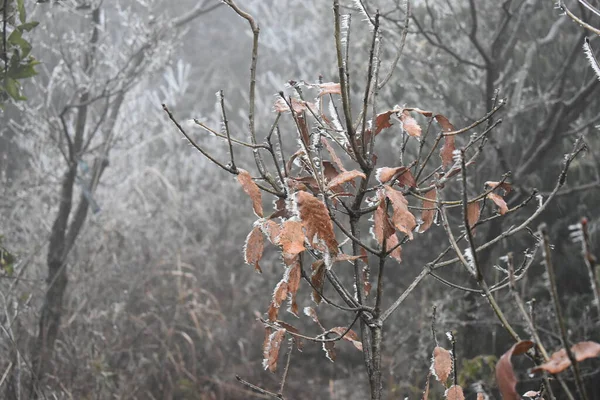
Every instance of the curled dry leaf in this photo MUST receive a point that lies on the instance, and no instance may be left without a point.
(251, 190)
(329, 88)
(409, 124)
(419, 111)
(502, 207)
(334, 157)
(253, 248)
(382, 121)
(310, 312)
(455, 392)
(291, 238)
(428, 213)
(449, 141)
(473, 212)
(271, 349)
(290, 328)
(350, 336)
(441, 364)
(293, 279)
(507, 187)
(344, 177)
(280, 293)
(272, 229)
(318, 280)
(383, 228)
(400, 174)
(298, 105)
(559, 361)
(316, 221)
(505, 375)
(329, 349)
(402, 219)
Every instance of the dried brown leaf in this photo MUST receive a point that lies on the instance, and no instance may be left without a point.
(473, 212)
(329, 88)
(350, 336)
(280, 293)
(382, 121)
(298, 105)
(447, 151)
(402, 219)
(502, 207)
(272, 229)
(271, 349)
(290, 328)
(318, 280)
(293, 279)
(329, 348)
(382, 227)
(442, 364)
(505, 375)
(428, 213)
(291, 238)
(253, 248)
(507, 187)
(400, 174)
(455, 392)
(444, 123)
(310, 312)
(559, 361)
(344, 177)
(409, 124)
(251, 190)
(334, 157)
(419, 111)
(315, 219)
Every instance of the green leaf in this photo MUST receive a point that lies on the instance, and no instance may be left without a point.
(21, 8)
(16, 39)
(13, 88)
(22, 71)
(28, 26)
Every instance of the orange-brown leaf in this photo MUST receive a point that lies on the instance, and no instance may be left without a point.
(293, 279)
(442, 364)
(559, 361)
(383, 228)
(271, 349)
(473, 212)
(507, 187)
(251, 190)
(382, 121)
(253, 248)
(318, 280)
(444, 123)
(505, 375)
(410, 124)
(350, 336)
(316, 221)
(401, 174)
(428, 212)
(455, 392)
(502, 207)
(272, 229)
(344, 177)
(298, 105)
(273, 312)
(310, 312)
(329, 348)
(422, 112)
(329, 88)
(291, 328)
(334, 157)
(402, 219)
(291, 238)
(447, 151)
(280, 293)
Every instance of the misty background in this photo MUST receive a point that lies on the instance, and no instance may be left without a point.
(158, 302)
